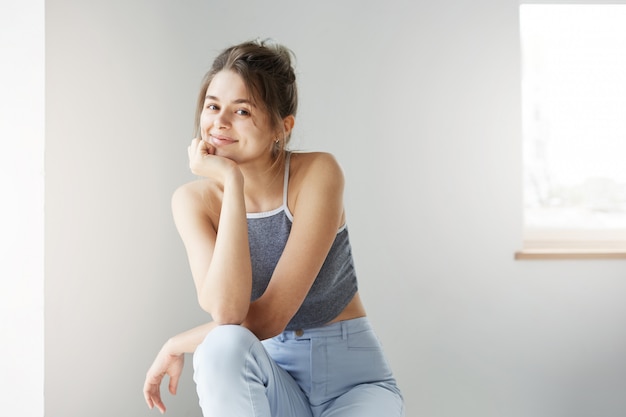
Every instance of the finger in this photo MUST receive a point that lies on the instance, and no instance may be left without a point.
(147, 396)
(161, 406)
(205, 148)
(155, 399)
(148, 400)
(173, 384)
(192, 147)
(152, 390)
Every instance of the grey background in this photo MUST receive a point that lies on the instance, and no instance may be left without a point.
(420, 103)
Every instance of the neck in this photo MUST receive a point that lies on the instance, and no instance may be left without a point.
(263, 187)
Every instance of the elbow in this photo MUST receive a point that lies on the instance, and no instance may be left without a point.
(223, 318)
(274, 330)
(266, 324)
(226, 313)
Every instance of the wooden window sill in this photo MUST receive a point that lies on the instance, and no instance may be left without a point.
(570, 253)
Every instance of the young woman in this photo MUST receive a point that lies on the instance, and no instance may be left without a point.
(268, 247)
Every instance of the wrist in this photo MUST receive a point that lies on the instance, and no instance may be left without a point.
(233, 178)
(172, 347)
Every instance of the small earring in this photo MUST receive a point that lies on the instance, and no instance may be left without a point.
(276, 141)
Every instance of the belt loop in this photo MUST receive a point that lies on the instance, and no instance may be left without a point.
(281, 337)
(344, 330)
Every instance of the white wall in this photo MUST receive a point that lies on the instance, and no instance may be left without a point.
(420, 102)
(22, 207)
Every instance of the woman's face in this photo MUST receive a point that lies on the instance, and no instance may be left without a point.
(232, 123)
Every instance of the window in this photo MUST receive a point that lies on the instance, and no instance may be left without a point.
(574, 129)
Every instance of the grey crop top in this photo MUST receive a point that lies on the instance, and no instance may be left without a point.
(334, 286)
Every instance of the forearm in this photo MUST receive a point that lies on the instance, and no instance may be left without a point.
(227, 286)
(188, 341)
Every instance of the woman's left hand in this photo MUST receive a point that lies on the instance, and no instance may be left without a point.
(166, 363)
(204, 162)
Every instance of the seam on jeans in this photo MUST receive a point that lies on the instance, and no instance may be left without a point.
(326, 366)
(254, 408)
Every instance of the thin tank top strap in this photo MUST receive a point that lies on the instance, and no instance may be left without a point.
(286, 178)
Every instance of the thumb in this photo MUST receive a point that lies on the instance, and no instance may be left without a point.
(174, 384)
(206, 148)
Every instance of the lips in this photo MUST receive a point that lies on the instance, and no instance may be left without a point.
(219, 140)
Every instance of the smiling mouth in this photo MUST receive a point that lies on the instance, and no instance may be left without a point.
(221, 140)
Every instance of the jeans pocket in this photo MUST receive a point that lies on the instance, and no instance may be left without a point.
(365, 340)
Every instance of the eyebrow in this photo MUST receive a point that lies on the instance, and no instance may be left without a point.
(237, 101)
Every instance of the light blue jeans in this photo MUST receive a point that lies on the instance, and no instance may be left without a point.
(330, 371)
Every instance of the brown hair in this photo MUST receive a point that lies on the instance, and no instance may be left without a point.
(266, 69)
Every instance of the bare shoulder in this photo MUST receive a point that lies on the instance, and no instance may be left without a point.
(316, 177)
(315, 166)
(201, 196)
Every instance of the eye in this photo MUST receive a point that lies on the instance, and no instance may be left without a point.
(243, 112)
(211, 107)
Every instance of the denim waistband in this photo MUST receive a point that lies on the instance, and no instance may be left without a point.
(340, 328)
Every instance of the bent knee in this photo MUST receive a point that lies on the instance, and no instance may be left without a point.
(224, 346)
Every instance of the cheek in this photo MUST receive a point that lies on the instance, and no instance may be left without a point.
(205, 123)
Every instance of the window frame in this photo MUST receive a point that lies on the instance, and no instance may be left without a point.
(570, 243)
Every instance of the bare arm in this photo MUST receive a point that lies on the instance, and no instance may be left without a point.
(223, 273)
(318, 213)
(169, 361)
(220, 262)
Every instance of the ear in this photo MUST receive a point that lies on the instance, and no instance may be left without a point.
(288, 123)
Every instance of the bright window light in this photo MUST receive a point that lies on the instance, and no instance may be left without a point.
(574, 124)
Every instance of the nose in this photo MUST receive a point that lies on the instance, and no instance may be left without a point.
(221, 121)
